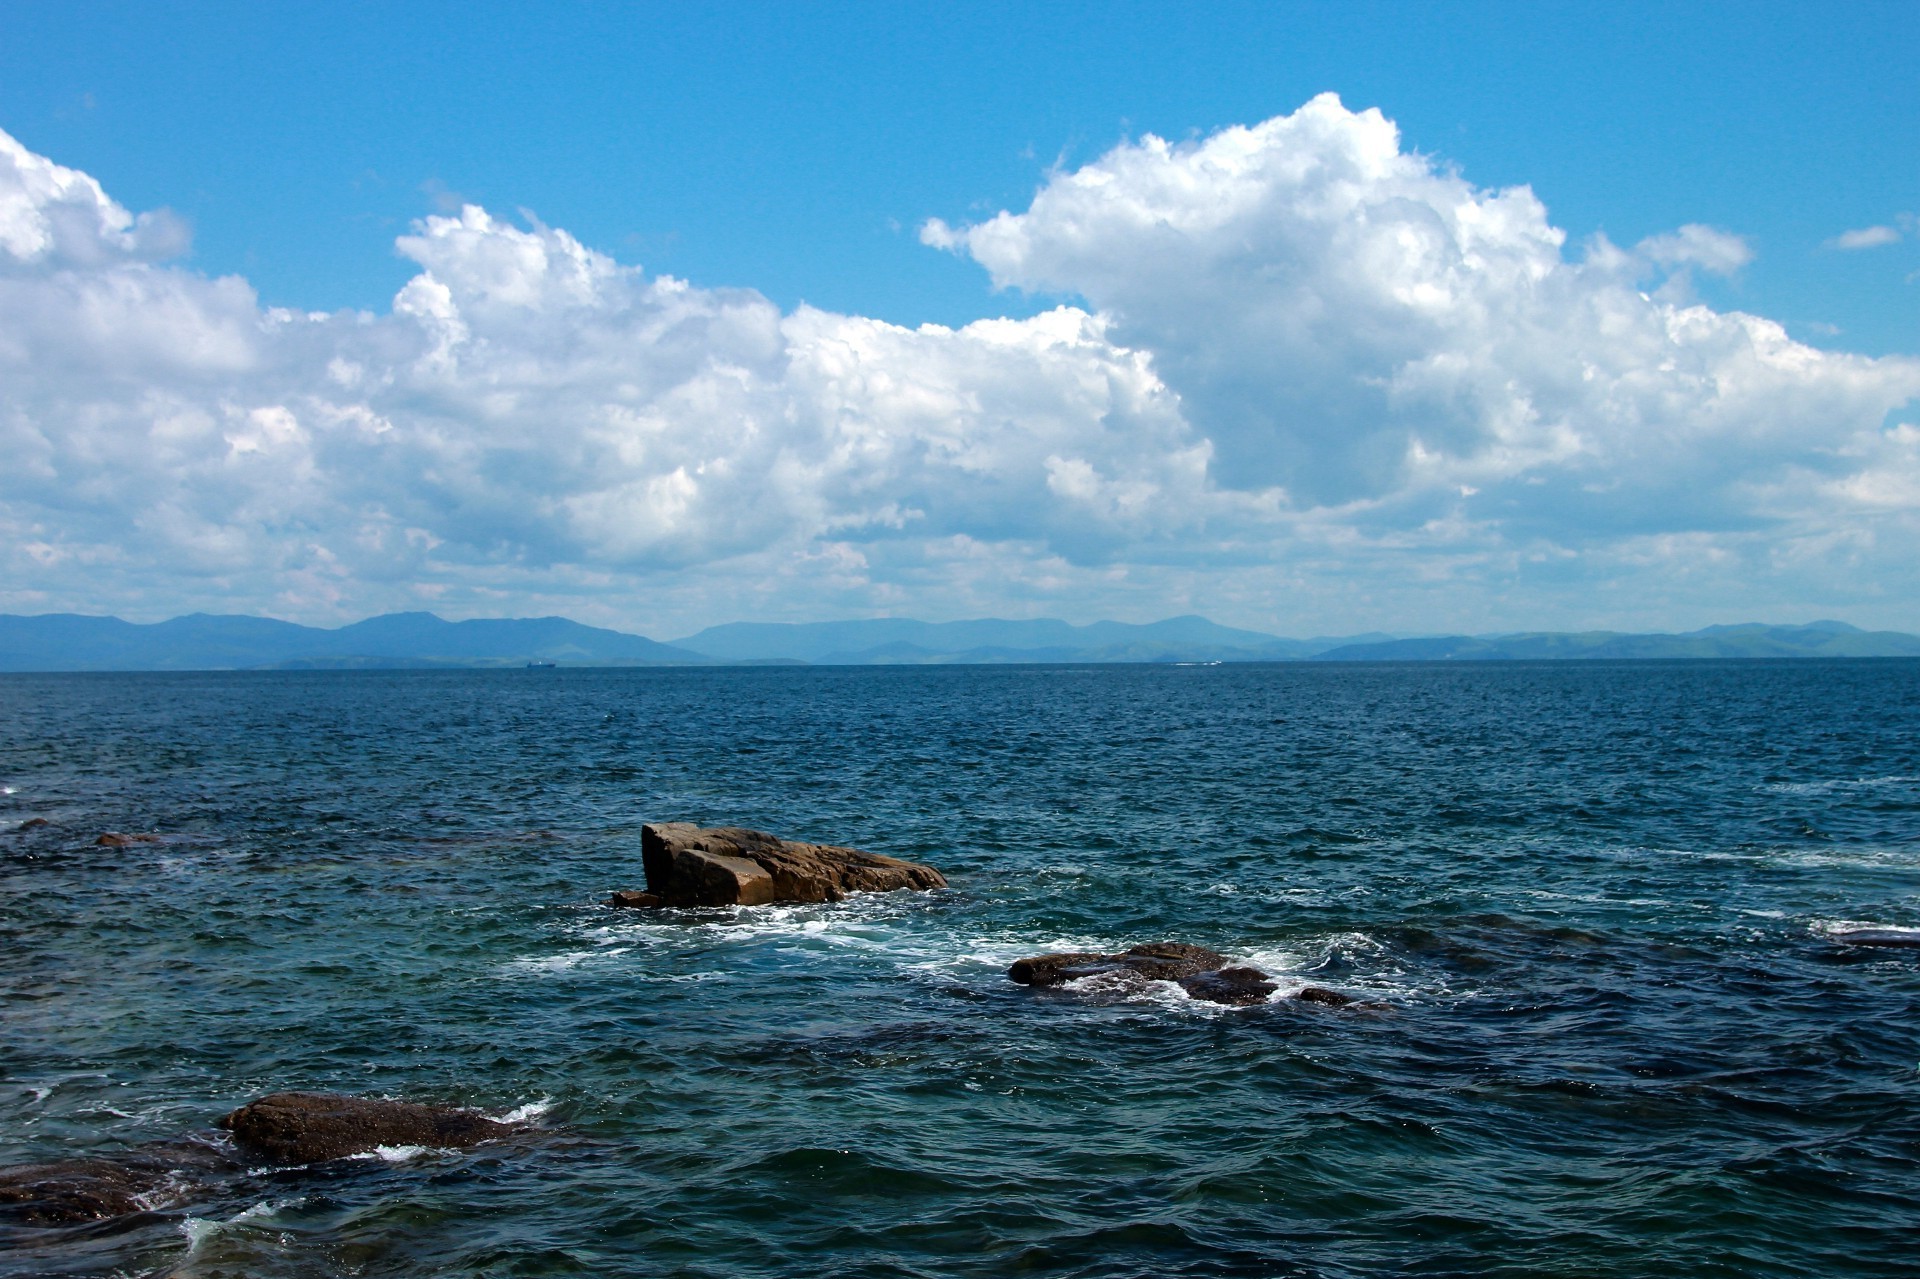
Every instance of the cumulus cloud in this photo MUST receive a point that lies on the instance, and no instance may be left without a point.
(1866, 237)
(1299, 377)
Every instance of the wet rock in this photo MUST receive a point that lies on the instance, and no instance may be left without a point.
(1321, 995)
(70, 1190)
(1239, 986)
(687, 865)
(1204, 974)
(66, 1191)
(307, 1127)
(1162, 961)
(635, 901)
(33, 823)
(1878, 937)
(114, 839)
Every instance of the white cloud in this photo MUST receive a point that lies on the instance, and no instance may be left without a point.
(1306, 380)
(1866, 237)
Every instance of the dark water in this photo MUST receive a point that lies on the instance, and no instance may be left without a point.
(1596, 898)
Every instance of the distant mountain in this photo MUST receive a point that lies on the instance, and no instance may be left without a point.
(1748, 640)
(70, 642)
(202, 641)
(892, 640)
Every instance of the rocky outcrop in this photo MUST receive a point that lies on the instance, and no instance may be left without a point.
(1239, 985)
(307, 1127)
(66, 1191)
(687, 865)
(1202, 973)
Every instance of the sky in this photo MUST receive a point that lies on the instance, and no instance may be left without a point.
(1311, 318)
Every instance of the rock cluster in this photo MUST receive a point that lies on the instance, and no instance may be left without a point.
(307, 1127)
(687, 865)
(1202, 973)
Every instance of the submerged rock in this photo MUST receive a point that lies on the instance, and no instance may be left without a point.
(114, 839)
(66, 1191)
(1202, 973)
(33, 823)
(687, 865)
(307, 1127)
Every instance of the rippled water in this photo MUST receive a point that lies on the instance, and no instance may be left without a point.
(1596, 899)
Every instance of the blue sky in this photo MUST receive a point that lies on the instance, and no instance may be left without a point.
(841, 162)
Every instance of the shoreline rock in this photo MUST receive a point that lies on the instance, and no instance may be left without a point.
(688, 865)
(305, 1127)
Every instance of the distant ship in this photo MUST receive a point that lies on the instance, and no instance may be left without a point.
(541, 666)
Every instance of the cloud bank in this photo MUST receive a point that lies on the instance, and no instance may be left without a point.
(1300, 378)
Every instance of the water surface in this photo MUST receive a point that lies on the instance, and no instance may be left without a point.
(1597, 900)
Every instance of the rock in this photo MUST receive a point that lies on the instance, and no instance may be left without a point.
(1321, 995)
(1877, 937)
(307, 1127)
(1231, 986)
(33, 823)
(66, 1191)
(1203, 973)
(70, 1190)
(687, 865)
(113, 839)
(636, 901)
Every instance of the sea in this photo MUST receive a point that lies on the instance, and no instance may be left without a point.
(1598, 909)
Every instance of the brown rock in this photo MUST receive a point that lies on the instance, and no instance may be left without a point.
(634, 901)
(114, 839)
(1238, 986)
(1321, 995)
(1203, 973)
(687, 865)
(33, 823)
(65, 1191)
(70, 1190)
(307, 1127)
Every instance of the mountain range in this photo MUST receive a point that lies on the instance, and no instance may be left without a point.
(202, 641)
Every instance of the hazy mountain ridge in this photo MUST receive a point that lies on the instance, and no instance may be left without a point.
(1745, 640)
(201, 641)
(204, 641)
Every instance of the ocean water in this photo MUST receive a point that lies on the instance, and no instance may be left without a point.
(1596, 901)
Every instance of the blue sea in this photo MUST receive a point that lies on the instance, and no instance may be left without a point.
(1597, 902)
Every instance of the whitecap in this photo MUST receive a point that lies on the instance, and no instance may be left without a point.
(531, 1112)
(396, 1154)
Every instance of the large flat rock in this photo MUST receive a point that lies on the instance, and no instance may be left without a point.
(688, 865)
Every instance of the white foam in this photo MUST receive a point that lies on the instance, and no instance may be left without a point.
(1840, 927)
(530, 1113)
(397, 1154)
(1838, 783)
